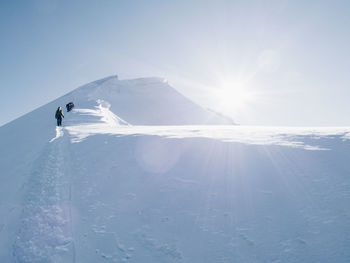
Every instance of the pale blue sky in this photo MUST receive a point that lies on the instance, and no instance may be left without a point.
(279, 62)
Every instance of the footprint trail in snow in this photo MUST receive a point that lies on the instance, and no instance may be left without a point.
(44, 234)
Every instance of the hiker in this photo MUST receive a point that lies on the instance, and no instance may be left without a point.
(59, 115)
(70, 106)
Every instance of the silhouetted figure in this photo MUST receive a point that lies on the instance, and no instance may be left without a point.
(70, 106)
(59, 115)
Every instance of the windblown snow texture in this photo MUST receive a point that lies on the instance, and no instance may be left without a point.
(108, 187)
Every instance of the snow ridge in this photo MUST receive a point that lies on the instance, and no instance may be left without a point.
(147, 101)
(87, 122)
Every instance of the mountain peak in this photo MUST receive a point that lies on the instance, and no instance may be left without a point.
(145, 101)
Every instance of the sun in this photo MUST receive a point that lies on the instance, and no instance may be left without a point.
(233, 96)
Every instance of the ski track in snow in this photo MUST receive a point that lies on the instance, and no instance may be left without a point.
(45, 234)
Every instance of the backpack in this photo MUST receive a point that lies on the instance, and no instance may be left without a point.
(58, 114)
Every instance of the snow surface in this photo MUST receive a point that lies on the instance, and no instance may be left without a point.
(99, 189)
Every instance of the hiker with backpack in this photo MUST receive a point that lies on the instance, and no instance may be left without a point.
(70, 106)
(59, 115)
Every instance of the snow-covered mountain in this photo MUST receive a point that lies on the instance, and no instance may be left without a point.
(110, 187)
(147, 101)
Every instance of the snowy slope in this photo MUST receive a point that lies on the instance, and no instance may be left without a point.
(147, 101)
(99, 189)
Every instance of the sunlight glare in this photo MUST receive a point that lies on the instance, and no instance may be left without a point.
(234, 96)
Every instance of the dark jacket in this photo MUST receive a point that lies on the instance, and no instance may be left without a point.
(59, 113)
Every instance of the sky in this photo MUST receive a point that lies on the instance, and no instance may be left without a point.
(261, 62)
